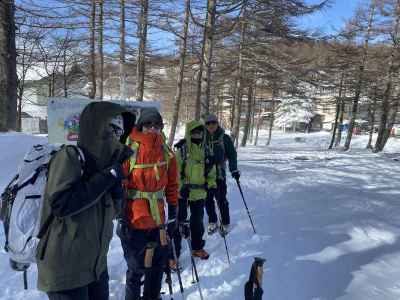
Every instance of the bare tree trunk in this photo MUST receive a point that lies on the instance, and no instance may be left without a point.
(272, 118)
(122, 54)
(65, 73)
(360, 79)
(200, 72)
(141, 59)
(384, 126)
(197, 111)
(49, 88)
(238, 112)
(179, 85)
(341, 118)
(20, 94)
(101, 53)
(12, 91)
(4, 65)
(239, 88)
(253, 114)
(248, 115)
(259, 124)
(371, 112)
(8, 71)
(207, 55)
(338, 101)
(233, 106)
(92, 92)
(53, 83)
(19, 114)
(219, 105)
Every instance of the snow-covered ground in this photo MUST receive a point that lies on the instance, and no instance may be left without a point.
(328, 223)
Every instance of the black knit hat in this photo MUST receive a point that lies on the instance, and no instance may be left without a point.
(149, 115)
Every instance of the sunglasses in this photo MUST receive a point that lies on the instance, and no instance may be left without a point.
(153, 125)
(211, 123)
(116, 130)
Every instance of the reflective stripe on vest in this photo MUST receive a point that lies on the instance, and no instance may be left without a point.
(154, 166)
(152, 198)
(132, 160)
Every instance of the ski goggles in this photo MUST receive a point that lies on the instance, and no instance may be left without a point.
(197, 133)
(154, 125)
(116, 130)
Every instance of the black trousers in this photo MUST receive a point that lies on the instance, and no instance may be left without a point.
(97, 290)
(220, 195)
(134, 244)
(196, 224)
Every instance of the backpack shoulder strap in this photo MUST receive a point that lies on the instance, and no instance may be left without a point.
(168, 153)
(134, 145)
(43, 229)
(222, 142)
(183, 153)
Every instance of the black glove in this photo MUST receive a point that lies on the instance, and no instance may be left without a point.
(116, 191)
(184, 192)
(182, 209)
(184, 229)
(117, 195)
(236, 174)
(126, 153)
(212, 191)
(172, 227)
(172, 212)
(122, 229)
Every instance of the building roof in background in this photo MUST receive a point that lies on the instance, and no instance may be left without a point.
(35, 110)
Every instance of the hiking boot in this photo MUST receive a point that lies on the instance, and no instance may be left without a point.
(212, 228)
(202, 254)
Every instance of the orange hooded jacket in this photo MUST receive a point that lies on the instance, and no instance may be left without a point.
(150, 151)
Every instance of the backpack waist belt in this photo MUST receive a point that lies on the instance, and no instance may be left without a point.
(152, 198)
(191, 186)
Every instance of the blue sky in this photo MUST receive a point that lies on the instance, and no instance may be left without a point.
(331, 18)
(328, 20)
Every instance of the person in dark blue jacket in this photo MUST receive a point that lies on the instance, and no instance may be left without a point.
(222, 148)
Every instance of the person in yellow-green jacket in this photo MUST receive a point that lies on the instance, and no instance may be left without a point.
(197, 173)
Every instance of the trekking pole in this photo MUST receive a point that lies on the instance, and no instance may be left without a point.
(194, 268)
(25, 280)
(245, 204)
(169, 281)
(193, 280)
(178, 271)
(221, 229)
(148, 264)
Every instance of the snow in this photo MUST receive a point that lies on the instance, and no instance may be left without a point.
(327, 221)
(294, 110)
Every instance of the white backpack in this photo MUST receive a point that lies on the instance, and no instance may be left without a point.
(21, 205)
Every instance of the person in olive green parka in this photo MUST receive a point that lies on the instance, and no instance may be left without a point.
(80, 201)
(197, 173)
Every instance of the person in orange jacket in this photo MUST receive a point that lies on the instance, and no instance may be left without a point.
(152, 183)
